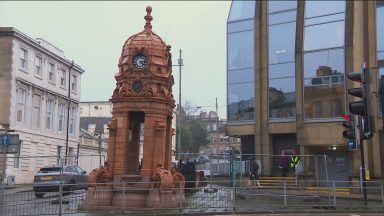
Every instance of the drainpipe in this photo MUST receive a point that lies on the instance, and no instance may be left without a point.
(68, 108)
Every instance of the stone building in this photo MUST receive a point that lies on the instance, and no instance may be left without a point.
(286, 89)
(35, 78)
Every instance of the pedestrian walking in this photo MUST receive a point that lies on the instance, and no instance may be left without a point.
(295, 160)
(283, 164)
(254, 174)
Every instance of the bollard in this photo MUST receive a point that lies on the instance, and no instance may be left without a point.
(334, 193)
(285, 193)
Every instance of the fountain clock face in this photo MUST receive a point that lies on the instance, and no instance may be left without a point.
(140, 61)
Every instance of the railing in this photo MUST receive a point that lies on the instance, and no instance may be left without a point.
(215, 197)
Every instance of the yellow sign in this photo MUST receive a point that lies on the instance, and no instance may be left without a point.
(367, 175)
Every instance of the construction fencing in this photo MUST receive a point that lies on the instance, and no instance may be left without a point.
(215, 197)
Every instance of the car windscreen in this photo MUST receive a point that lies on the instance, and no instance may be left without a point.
(49, 169)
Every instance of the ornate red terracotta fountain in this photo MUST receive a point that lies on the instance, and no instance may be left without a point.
(142, 99)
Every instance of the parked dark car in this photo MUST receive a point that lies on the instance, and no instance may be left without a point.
(48, 179)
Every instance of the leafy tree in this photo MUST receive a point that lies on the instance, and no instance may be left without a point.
(193, 136)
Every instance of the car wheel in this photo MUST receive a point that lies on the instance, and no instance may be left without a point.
(71, 186)
(39, 194)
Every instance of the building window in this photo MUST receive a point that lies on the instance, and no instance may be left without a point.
(380, 41)
(324, 65)
(281, 52)
(21, 101)
(61, 117)
(36, 103)
(38, 66)
(240, 58)
(16, 160)
(74, 83)
(49, 116)
(72, 120)
(58, 155)
(106, 131)
(241, 10)
(51, 72)
(63, 78)
(23, 58)
(92, 128)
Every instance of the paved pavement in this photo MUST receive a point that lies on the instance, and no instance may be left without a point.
(18, 189)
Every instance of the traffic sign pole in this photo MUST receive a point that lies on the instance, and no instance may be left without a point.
(2, 185)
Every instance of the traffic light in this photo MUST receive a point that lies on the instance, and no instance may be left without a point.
(357, 107)
(362, 107)
(350, 125)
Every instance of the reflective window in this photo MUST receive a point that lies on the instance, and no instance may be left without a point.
(282, 49)
(315, 37)
(380, 25)
(380, 41)
(241, 10)
(321, 8)
(241, 26)
(240, 50)
(324, 64)
(241, 102)
(282, 17)
(281, 69)
(324, 84)
(282, 98)
(274, 6)
(325, 19)
(241, 76)
(240, 61)
(332, 58)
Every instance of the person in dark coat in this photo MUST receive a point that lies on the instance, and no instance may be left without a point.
(283, 164)
(254, 174)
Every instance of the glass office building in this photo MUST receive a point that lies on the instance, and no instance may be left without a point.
(287, 66)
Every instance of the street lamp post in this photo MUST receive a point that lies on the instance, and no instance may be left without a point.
(178, 143)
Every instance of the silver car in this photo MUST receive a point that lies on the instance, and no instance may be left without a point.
(48, 179)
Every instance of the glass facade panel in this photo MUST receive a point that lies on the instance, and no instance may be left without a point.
(282, 70)
(324, 36)
(324, 61)
(282, 98)
(274, 6)
(380, 25)
(325, 19)
(282, 17)
(331, 58)
(240, 50)
(241, 26)
(324, 84)
(241, 102)
(282, 49)
(321, 8)
(241, 76)
(240, 62)
(380, 43)
(241, 10)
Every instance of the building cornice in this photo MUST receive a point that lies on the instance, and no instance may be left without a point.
(13, 32)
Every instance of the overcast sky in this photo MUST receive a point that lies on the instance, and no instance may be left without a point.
(93, 33)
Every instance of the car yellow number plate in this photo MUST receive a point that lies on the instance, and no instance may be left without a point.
(46, 178)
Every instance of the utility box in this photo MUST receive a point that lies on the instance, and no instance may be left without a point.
(11, 181)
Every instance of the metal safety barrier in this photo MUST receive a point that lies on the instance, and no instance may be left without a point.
(216, 196)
